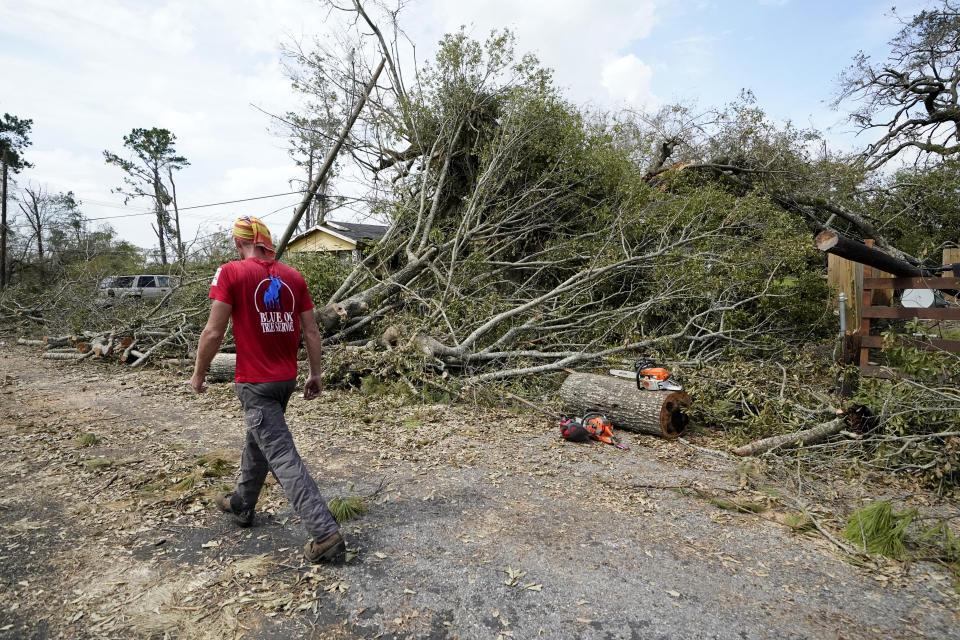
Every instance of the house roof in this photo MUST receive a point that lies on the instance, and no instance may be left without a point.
(357, 231)
(349, 231)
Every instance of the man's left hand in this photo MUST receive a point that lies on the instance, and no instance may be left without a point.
(198, 383)
(312, 388)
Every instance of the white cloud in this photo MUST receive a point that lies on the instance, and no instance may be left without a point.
(573, 37)
(627, 79)
(87, 73)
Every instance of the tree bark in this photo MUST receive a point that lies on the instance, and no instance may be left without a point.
(658, 413)
(222, 368)
(64, 356)
(815, 435)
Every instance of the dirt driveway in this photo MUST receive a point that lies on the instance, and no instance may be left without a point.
(481, 524)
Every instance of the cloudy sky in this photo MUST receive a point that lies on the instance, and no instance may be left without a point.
(87, 73)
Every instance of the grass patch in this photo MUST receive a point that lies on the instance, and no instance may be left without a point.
(344, 509)
(88, 440)
(96, 464)
(876, 529)
(371, 385)
(799, 522)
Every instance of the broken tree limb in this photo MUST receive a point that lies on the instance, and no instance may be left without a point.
(30, 343)
(56, 355)
(806, 437)
(143, 358)
(658, 413)
(332, 316)
(833, 242)
(57, 341)
(222, 368)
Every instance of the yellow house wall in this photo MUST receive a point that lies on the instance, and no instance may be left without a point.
(320, 241)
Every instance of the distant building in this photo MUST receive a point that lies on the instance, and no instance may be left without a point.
(347, 240)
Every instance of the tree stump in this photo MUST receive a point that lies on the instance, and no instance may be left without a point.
(658, 413)
(223, 368)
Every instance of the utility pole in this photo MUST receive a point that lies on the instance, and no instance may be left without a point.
(3, 227)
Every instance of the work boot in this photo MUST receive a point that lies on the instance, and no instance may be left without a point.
(225, 502)
(330, 549)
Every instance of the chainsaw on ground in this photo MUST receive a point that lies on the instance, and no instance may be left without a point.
(649, 376)
(593, 425)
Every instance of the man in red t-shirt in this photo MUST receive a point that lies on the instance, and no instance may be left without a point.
(269, 304)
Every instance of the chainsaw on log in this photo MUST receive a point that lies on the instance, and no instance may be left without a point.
(649, 377)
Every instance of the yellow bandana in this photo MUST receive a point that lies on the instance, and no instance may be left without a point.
(253, 230)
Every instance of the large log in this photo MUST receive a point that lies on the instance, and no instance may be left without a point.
(222, 368)
(658, 413)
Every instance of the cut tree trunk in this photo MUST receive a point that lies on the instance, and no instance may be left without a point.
(814, 435)
(832, 242)
(658, 413)
(57, 341)
(223, 368)
(30, 343)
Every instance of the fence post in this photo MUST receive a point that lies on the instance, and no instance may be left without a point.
(846, 276)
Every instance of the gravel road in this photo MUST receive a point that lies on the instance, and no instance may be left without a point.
(481, 524)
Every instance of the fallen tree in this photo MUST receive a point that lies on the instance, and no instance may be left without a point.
(524, 239)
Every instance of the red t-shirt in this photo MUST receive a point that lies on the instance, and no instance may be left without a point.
(267, 299)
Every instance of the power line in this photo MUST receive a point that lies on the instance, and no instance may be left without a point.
(200, 206)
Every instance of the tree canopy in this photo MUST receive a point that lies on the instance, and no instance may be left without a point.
(149, 174)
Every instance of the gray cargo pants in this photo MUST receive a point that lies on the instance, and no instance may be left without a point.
(270, 447)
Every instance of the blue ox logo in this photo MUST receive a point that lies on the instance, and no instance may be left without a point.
(271, 298)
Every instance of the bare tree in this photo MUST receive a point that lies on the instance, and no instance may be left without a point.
(42, 210)
(911, 97)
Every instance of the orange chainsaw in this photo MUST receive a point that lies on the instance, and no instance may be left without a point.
(649, 376)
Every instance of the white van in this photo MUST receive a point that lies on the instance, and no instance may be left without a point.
(138, 286)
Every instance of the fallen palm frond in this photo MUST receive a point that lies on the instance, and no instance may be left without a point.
(344, 509)
(876, 529)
